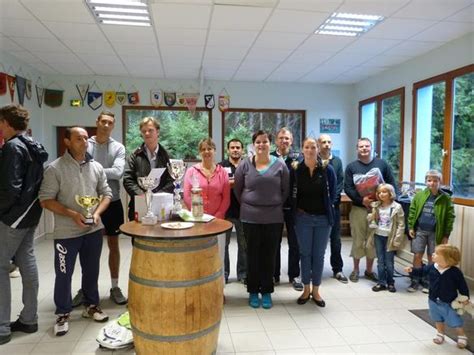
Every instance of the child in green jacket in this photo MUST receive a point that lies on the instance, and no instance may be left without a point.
(430, 222)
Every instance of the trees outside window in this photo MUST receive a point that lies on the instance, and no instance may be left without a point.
(180, 131)
(443, 131)
(381, 119)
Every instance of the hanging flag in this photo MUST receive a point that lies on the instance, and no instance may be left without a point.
(134, 98)
(191, 101)
(180, 100)
(156, 97)
(3, 83)
(28, 89)
(39, 95)
(209, 101)
(53, 98)
(83, 89)
(11, 86)
(121, 97)
(170, 98)
(20, 89)
(109, 98)
(94, 99)
(224, 101)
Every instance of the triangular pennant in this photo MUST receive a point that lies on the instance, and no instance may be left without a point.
(82, 89)
(53, 98)
(11, 86)
(156, 97)
(121, 97)
(190, 101)
(94, 100)
(134, 98)
(3, 83)
(209, 101)
(39, 95)
(28, 89)
(109, 98)
(21, 88)
(170, 98)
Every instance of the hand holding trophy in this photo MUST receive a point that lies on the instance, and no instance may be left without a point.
(148, 184)
(176, 169)
(88, 203)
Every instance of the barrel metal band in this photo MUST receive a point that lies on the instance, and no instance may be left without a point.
(176, 284)
(175, 338)
(208, 244)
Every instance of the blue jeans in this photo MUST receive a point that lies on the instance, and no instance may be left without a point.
(18, 243)
(312, 232)
(385, 263)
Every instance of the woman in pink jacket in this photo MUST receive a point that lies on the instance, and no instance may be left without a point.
(212, 179)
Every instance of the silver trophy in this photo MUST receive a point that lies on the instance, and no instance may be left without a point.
(177, 168)
(148, 184)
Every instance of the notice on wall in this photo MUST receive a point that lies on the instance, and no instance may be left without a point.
(329, 125)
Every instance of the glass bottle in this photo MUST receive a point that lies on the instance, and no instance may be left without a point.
(197, 207)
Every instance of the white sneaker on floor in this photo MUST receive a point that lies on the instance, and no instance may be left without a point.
(15, 272)
(62, 324)
(95, 313)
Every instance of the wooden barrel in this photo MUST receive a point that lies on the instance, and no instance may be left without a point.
(175, 295)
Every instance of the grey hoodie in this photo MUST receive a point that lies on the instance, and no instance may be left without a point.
(111, 155)
(65, 178)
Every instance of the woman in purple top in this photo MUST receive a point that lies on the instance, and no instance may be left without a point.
(261, 186)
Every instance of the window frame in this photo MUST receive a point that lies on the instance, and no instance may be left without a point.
(378, 100)
(268, 110)
(163, 108)
(448, 78)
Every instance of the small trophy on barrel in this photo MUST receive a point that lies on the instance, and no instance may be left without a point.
(148, 184)
(88, 203)
(176, 169)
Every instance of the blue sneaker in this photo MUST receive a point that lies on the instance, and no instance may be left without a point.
(254, 301)
(267, 300)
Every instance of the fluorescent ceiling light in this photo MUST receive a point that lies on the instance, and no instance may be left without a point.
(126, 23)
(345, 24)
(120, 12)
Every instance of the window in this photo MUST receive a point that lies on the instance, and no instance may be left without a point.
(241, 123)
(443, 131)
(381, 119)
(180, 131)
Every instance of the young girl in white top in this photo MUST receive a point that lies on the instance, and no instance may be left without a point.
(387, 222)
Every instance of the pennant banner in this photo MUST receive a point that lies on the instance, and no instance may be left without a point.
(3, 83)
(224, 102)
(180, 100)
(39, 95)
(11, 86)
(121, 97)
(170, 98)
(109, 98)
(156, 97)
(53, 98)
(190, 101)
(28, 89)
(134, 98)
(94, 100)
(82, 89)
(209, 101)
(20, 89)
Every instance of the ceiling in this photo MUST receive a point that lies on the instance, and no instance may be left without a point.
(238, 40)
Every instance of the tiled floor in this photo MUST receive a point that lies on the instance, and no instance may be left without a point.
(355, 320)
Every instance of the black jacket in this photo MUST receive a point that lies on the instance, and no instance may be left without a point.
(137, 166)
(21, 166)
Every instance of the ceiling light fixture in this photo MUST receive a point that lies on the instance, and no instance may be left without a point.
(120, 12)
(345, 24)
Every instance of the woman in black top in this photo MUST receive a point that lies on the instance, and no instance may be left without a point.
(314, 193)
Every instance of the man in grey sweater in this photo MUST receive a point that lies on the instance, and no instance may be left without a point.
(111, 155)
(75, 174)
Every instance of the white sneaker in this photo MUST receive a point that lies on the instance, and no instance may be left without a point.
(15, 272)
(62, 324)
(95, 313)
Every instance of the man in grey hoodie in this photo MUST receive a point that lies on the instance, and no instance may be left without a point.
(75, 174)
(21, 164)
(111, 155)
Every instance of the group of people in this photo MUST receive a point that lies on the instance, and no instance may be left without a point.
(259, 194)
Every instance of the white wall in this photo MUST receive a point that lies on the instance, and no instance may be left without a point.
(453, 55)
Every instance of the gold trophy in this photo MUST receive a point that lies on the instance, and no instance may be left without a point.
(88, 203)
